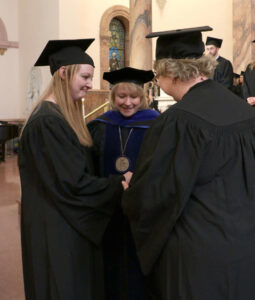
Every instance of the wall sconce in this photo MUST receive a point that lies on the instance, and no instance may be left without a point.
(2, 51)
(4, 43)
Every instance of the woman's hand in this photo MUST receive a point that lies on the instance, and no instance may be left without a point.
(127, 176)
(124, 185)
(251, 100)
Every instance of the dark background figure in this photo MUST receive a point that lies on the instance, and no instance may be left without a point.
(191, 200)
(237, 85)
(65, 208)
(152, 93)
(117, 137)
(224, 70)
(249, 83)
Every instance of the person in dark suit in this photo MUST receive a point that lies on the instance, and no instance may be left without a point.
(224, 70)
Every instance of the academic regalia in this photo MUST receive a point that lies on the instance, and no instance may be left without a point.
(237, 87)
(224, 72)
(123, 276)
(191, 200)
(238, 90)
(65, 210)
(249, 83)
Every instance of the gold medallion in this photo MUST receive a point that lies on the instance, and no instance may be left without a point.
(122, 164)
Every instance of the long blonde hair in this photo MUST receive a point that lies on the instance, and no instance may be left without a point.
(72, 110)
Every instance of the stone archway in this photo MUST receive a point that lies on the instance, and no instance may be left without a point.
(121, 13)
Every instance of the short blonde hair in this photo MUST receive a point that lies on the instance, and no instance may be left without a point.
(186, 68)
(132, 88)
(252, 65)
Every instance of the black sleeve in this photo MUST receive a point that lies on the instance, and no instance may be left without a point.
(228, 74)
(162, 182)
(57, 158)
(97, 131)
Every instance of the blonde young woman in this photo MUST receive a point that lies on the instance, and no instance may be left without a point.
(117, 137)
(191, 199)
(65, 207)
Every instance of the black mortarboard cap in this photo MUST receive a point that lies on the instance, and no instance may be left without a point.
(129, 74)
(213, 41)
(58, 53)
(180, 43)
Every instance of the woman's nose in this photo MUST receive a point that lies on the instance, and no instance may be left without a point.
(128, 101)
(90, 84)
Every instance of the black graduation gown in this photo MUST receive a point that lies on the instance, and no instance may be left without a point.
(238, 90)
(191, 200)
(249, 83)
(64, 211)
(123, 277)
(224, 72)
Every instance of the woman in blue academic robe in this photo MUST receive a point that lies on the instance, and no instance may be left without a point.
(117, 137)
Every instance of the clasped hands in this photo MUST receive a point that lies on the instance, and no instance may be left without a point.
(127, 176)
(251, 100)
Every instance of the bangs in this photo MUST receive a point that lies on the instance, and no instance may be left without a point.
(131, 87)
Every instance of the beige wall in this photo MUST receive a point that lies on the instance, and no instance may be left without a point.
(9, 63)
(64, 20)
(86, 24)
(37, 25)
(175, 14)
(33, 23)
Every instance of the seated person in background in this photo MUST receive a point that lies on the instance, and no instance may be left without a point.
(224, 70)
(117, 137)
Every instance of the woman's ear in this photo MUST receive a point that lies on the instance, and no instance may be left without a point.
(62, 72)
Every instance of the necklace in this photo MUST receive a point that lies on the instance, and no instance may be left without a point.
(122, 162)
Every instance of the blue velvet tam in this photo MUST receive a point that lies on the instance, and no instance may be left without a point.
(129, 74)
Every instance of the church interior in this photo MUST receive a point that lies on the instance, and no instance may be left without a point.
(119, 29)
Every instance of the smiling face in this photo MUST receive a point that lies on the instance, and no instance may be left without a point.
(127, 101)
(82, 81)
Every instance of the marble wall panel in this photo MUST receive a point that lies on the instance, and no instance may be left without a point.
(243, 33)
(140, 26)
